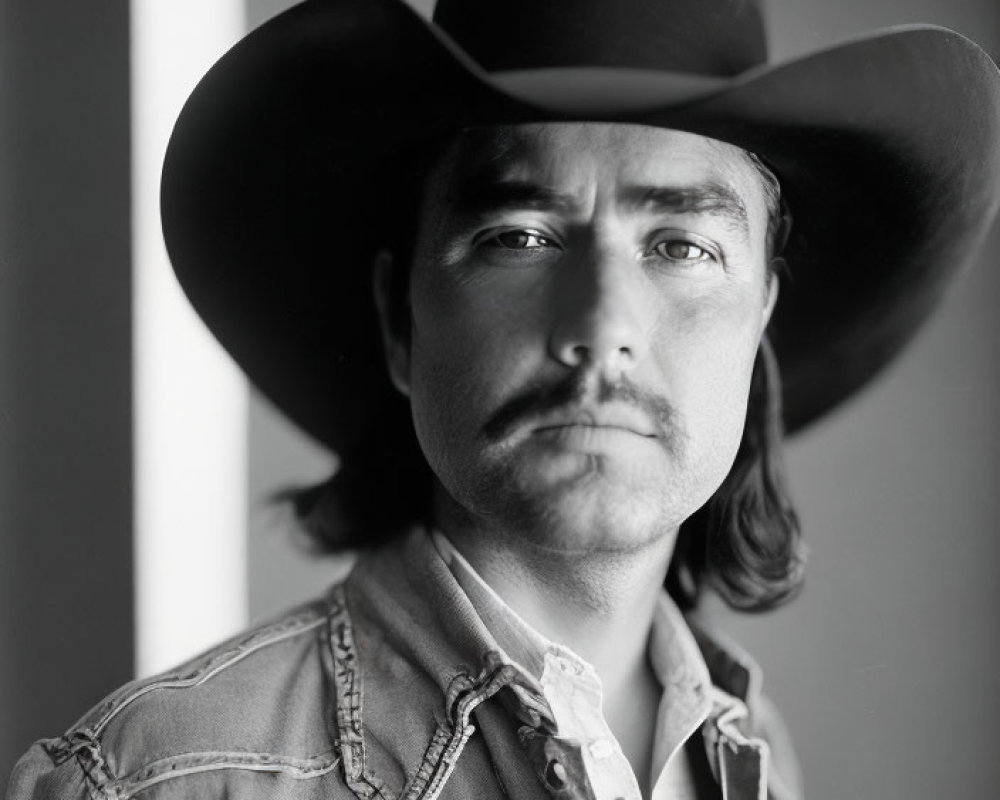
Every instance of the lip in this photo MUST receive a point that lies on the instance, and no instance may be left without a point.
(593, 439)
(623, 419)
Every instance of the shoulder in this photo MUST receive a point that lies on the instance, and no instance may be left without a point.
(251, 712)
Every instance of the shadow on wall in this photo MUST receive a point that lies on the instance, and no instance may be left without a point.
(65, 365)
(891, 649)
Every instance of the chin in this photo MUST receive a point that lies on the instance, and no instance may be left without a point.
(583, 504)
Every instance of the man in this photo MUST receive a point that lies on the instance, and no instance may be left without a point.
(575, 227)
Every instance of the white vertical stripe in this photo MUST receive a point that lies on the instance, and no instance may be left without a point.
(190, 400)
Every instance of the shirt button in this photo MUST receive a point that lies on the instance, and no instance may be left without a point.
(566, 666)
(601, 748)
(555, 775)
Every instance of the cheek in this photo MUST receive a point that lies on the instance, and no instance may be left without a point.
(470, 348)
(707, 350)
(460, 335)
(475, 325)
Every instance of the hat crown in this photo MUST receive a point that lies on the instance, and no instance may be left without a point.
(706, 37)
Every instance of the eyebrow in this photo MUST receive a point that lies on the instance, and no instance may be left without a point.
(708, 197)
(481, 194)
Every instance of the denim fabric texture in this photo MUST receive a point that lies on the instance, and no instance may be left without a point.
(389, 687)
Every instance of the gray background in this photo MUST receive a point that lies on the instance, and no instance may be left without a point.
(884, 667)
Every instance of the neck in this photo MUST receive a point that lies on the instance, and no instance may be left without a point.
(599, 603)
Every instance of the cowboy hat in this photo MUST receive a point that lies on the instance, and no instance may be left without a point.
(887, 148)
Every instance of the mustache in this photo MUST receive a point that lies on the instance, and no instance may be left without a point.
(571, 393)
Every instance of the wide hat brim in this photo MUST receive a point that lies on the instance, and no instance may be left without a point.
(887, 148)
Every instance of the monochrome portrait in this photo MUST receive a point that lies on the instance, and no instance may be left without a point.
(498, 399)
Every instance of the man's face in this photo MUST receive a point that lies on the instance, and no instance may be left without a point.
(586, 303)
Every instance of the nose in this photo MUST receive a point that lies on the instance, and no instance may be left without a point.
(601, 314)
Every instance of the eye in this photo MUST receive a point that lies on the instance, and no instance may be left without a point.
(683, 251)
(519, 240)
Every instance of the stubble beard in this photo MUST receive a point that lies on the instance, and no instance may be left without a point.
(593, 509)
(567, 537)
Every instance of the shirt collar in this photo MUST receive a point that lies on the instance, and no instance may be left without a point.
(520, 643)
(673, 651)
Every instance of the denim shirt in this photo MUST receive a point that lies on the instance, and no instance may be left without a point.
(389, 687)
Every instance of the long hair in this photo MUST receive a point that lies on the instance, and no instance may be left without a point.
(745, 542)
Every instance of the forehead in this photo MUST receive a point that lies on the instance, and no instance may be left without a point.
(579, 157)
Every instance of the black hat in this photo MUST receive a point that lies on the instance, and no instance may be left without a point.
(887, 148)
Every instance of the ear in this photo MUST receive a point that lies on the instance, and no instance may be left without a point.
(392, 302)
(771, 282)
